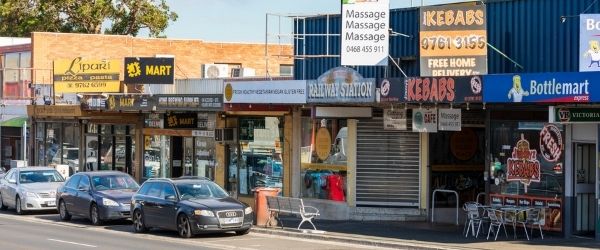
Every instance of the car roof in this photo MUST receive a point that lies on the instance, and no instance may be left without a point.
(102, 173)
(183, 179)
(35, 168)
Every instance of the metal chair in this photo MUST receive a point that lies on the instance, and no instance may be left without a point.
(496, 221)
(536, 217)
(473, 217)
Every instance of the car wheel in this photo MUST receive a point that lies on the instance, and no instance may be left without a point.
(19, 207)
(183, 226)
(62, 211)
(95, 215)
(242, 232)
(138, 222)
(2, 206)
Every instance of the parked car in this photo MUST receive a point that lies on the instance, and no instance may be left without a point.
(190, 206)
(99, 196)
(30, 188)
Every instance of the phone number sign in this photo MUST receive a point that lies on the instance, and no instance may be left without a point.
(453, 40)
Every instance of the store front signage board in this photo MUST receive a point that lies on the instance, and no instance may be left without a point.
(78, 75)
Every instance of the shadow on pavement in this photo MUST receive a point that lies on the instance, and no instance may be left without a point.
(436, 233)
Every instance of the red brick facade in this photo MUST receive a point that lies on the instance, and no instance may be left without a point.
(190, 55)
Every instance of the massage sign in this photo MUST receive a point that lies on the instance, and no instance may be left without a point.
(523, 165)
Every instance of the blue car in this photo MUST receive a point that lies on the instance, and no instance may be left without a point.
(99, 196)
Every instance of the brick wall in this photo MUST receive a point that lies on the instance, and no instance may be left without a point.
(190, 55)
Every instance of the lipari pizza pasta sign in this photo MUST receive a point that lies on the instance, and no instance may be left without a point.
(523, 165)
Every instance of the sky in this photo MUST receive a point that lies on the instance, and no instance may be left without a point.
(245, 20)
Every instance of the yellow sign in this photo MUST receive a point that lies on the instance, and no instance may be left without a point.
(54, 110)
(228, 92)
(323, 143)
(84, 76)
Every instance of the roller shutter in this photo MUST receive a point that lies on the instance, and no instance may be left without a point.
(387, 170)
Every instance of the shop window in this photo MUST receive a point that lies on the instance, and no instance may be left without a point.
(156, 156)
(525, 170)
(70, 146)
(40, 129)
(260, 162)
(324, 158)
(53, 146)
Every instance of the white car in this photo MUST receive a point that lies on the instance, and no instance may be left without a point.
(30, 189)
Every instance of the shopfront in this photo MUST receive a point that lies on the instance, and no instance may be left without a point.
(542, 162)
(179, 136)
(258, 115)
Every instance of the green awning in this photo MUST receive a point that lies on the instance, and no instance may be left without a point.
(14, 122)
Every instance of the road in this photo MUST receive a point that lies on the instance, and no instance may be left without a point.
(46, 231)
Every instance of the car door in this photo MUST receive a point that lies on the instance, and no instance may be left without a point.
(83, 197)
(69, 191)
(166, 207)
(10, 189)
(4, 188)
(150, 203)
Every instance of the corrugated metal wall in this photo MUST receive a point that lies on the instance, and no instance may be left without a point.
(528, 31)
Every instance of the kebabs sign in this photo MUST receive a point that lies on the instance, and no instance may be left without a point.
(523, 165)
(453, 40)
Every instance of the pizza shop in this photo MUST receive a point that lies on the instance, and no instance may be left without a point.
(543, 155)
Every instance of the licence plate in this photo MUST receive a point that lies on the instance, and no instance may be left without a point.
(51, 203)
(231, 220)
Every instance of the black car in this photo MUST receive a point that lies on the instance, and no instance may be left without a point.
(190, 206)
(99, 196)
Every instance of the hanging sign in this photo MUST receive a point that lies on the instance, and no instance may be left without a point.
(365, 32)
(424, 120)
(149, 70)
(80, 75)
(589, 44)
(453, 40)
(523, 165)
(394, 119)
(449, 120)
(181, 120)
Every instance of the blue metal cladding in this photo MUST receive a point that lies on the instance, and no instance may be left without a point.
(530, 32)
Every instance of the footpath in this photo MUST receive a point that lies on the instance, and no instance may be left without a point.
(421, 235)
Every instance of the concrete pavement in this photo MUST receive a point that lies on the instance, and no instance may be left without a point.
(422, 235)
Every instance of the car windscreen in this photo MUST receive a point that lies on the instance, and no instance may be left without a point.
(200, 190)
(36, 176)
(114, 182)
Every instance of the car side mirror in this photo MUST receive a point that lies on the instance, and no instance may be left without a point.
(83, 189)
(171, 198)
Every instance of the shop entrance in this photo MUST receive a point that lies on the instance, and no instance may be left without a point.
(584, 180)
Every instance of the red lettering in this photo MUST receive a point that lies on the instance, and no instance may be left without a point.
(442, 88)
(450, 86)
(434, 92)
(426, 88)
(411, 89)
(418, 95)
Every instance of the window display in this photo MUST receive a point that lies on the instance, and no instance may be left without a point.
(156, 156)
(324, 158)
(527, 167)
(261, 147)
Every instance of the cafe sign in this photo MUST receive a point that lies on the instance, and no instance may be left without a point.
(149, 70)
(523, 165)
(341, 85)
(80, 75)
(189, 102)
(425, 120)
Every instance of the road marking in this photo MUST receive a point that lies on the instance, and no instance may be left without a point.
(73, 243)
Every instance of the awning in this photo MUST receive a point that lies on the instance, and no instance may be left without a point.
(14, 122)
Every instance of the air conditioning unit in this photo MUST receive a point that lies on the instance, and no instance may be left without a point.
(216, 70)
(225, 135)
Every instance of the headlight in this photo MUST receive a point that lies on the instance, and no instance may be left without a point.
(248, 210)
(204, 213)
(31, 194)
(109, 202)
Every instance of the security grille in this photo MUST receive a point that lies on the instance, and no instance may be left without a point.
(387, 170)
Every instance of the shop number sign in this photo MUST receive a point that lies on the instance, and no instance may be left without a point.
(523, 165)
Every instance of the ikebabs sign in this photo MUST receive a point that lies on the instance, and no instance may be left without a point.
(149, 70)
(453, 40)
(457, 89)
(80, 75)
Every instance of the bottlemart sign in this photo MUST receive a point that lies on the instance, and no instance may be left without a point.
(574, 115)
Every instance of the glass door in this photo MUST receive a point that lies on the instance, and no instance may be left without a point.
(585, 178)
